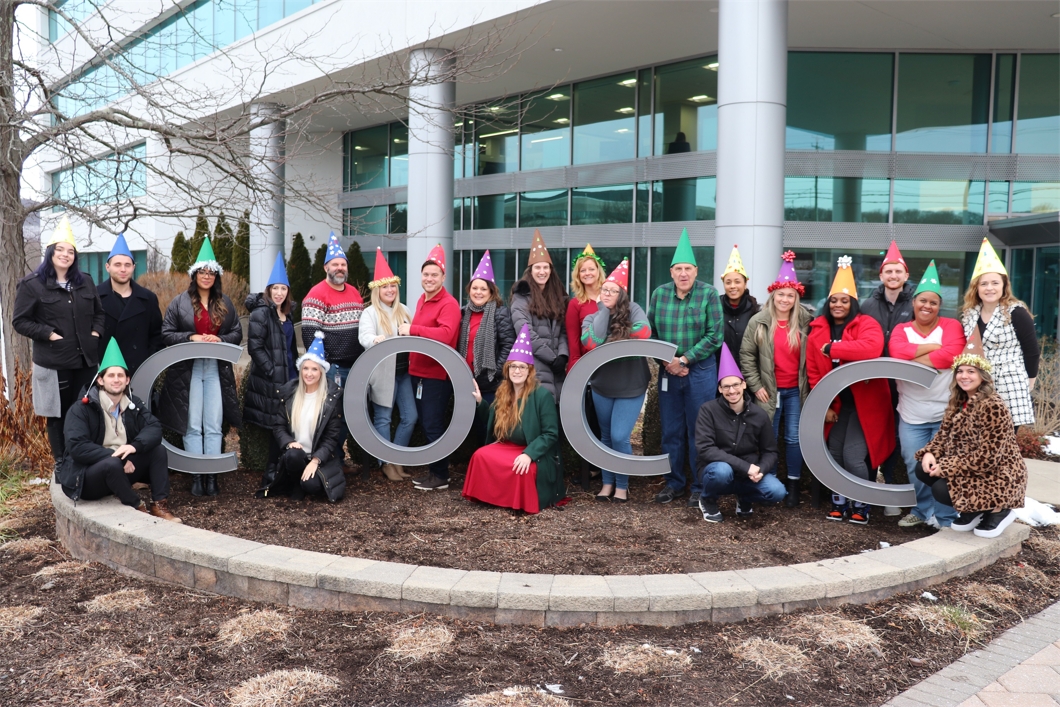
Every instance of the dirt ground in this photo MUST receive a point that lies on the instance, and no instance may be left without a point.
(69, 640)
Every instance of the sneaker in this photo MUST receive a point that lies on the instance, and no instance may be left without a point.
(911, 521)
(434, 484)
(693, 500)
(838, 512)
(933, 522)
(709, 508)
(892, 511)
(421, 479)
(859, 515)
(994, 523)
(744, 509)
(668, 494)
(967, 521)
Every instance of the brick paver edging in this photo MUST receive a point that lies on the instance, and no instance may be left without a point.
(122, 538)
(962, 680)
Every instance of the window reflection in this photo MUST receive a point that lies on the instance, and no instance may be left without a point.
(592, 205)
(1004, 93)
(495, 211)
(543, 208)
(686, 107)
(399, 154)
(1038, 121)
(940, 202)
(497, 139)
(365, 221)
(546, 129)
(604, 124)
(692, 199)
(367, 154)
(1035, 197)
(836, 199)
(942, 102)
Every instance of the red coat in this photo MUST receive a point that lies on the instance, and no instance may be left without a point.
(862, 341)
(576, 314)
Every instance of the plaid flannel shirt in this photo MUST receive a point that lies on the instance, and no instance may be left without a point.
(695, 323)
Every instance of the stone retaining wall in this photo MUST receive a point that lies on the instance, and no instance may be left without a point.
(138, 544)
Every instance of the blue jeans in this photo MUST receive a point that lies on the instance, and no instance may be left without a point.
(617, 416)
(718, 480)
(405, 400)
(790, 405)
(678, 409)
(338, 374)
(914, 438)
(432, 405)
(203, 435)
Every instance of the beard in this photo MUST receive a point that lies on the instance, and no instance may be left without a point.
(338, 278)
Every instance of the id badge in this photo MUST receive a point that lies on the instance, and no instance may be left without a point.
(338, 379)
(419, 391)
(665, 381)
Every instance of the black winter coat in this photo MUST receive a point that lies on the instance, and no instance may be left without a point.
(177, 328)
(84, 430)
(888, 315)
(505, 332)
(267, 347)
(736, 321)
(137, 326)
(44, 307)
(738, 440)
(330, 429)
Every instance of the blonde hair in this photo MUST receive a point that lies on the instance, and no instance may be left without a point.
(507, 409)
(794, 334)
(1006, 303)
(389, 321)
(576, 287)
(299, 400)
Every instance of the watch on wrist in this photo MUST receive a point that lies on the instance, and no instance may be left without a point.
(682, 362)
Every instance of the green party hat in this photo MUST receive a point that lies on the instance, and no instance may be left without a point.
(930, 281)
(684, 253)
(113, 357)
(206, 259)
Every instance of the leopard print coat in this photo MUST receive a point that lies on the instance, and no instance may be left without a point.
(980, 459)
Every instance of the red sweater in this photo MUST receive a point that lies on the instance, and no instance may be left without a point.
(576, 314)
(437, 318)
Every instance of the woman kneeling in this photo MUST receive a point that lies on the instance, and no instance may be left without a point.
(519, 467)
(974, 463)
(310, 431)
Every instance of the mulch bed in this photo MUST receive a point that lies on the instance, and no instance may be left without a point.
(170, 653)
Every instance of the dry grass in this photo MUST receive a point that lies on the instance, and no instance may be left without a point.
(121, 600)
(994, 597)
(283, 687)
(267, 624)
(420, 642)
(1032, 575)
(62, 569)
(26, 546)
(645, 659)
(1049, 547)
(23, 435)
(1046, 394)
(834, 631)
(773, 658)
(14, 618)
(514, 697)
(169, 285)
(946, 620)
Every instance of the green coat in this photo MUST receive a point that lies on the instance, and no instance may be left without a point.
(756, 359)
(540, 426)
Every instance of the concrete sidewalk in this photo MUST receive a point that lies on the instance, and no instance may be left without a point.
(1043, 481)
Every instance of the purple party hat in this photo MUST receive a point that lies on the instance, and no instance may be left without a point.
(484, 271)
(522, 351)
(727, 365)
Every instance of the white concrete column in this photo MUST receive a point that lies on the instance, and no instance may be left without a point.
(430, 213)
(267, 208)
(752, 111)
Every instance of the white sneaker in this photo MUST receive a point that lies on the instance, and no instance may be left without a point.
(933, 522)
(892, 511)
(910, 521)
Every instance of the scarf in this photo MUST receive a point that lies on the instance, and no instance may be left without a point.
(485, 343)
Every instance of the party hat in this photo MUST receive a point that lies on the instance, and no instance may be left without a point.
(787, 277)
(894, 256)
(383, 274)
(844, 279)
(735, 264)
(63, 233)
(988, 261)
(206, 259)
(684, 253)
(727, 365)
(484, 271)
(278, 276)
(120, 248)
(973, 354)
(112, 357)
(522, 350)
(315, 353)
(334, 249)
(538, 251)
(930, 281)
(588, 253)
(436, 256)
(620, 275)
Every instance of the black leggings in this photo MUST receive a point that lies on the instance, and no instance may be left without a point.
(291, 466)
(939, 488)
(71, 381)
(108, 477)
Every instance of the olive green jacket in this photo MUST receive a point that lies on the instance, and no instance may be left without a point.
(756, 359)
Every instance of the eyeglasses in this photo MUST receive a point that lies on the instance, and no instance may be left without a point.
(518, 367)
(609, 291)
(733, 386)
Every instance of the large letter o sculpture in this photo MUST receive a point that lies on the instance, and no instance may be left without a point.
(572, 408)
(811, 425)
(356, 410)
(144, 380)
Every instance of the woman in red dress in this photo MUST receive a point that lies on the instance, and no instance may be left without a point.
(519, 467)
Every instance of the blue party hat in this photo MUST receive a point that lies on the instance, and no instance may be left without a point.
(334, 249)
(121, 248)
(315, 353)
(278, 276)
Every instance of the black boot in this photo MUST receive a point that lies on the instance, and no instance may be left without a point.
(210, 485)
(55, 471)
(792, 499)
(196, 486)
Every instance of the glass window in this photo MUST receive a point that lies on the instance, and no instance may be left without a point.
(398, 262)
(660, 264)
(543, 208)
(643, 195)
(1038, 120)
(997, 202)
(644, 93)
(941, 202)
(503, 270)
(458, 218)
(497, 135)
(368, 154)
(1046, 287)
(848, 199)
(692, 199)
(365, 221)
(495, 211)
(942, 102)
(839, 101)
(1021, 273)
(639, 285)
(591, 205)
(546, 130)
(686, 106)
(458, 149)
(1035, 197)
(611, 257)
(604, 119)
(1004, 93)
(399, 219)
(269, 12)
(399, 154)
(292, 6)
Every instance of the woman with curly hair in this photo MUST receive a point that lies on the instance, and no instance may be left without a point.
(538, 300)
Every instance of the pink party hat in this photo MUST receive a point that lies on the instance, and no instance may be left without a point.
(727, 366)
(484, 271)
(620, 275)
(522, 351)
(787, 276)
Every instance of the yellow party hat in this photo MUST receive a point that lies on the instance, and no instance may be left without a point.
(844, 279)
(735, 264)
(988, 261)
(63, 233)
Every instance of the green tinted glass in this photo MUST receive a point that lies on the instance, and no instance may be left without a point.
(1004, 93)
(604, 127)
(1038, 121)
(368, 153)
(543, 208)
(495, 211)
(399, 154)
(691, 199)
(591, 205)
(997, 202)
(686, 106)
(942, 202)
(546, 129)
(368, 221)
(943, 102)
(497, 138)
(1046, 285)
(845, 199)
(1035, 197)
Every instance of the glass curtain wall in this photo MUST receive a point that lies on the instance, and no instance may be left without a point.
(543, 208)
(847, 199)
(593, 205)
(366, 158)
(1004, 103)
(1035, 197)
(686, 107)
(943, 102)
(939, 202)
(497, 139)
(1038, 120)
(545, 130)
(604, 119)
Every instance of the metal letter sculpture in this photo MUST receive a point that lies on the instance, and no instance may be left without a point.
(572, 409)
(356, 410)
(811, 425)
(144, 380)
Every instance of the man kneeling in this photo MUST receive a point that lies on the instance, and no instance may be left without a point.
(734, 444)
(112, 442)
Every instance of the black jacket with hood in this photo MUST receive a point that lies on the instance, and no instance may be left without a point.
(888, 315)
(267, 347)
(738, 440)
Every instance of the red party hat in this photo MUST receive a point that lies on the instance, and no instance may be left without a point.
(383, 274)
(437, 256)
(894, 256)
(620, 275)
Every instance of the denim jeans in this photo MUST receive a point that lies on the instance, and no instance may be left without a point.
(432, 405)
(405, 400)
(678, 409)
(203, 435)
(719, 480)
(338, 374)
(914, 438)
(617, 416)
(789, 404)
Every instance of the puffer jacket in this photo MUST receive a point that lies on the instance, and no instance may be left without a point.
(44, 307)
(548, 338)
(888, 315)
(267, 347)
(737, 440)
(85, 430)
(505, 333)
(757, 364)
(736, 319)
(330, 429)
(177, 328)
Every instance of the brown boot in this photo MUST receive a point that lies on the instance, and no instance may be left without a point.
(401, 472)
(142, 507)
(391, 472)
(160, 509)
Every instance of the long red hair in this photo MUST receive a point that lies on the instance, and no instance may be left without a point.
(507, 407)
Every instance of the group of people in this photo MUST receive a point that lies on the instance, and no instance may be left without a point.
(740, 373)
